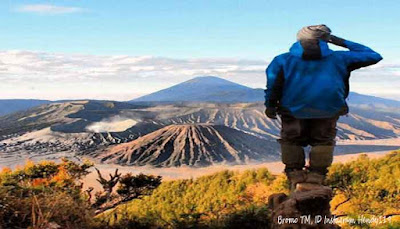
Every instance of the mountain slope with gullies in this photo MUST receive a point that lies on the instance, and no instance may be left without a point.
(249, 118)
(193, 145)
(121, 121)
(69, 129)
(85, 127)
(359, 124)
(70, 117)
(38, 118)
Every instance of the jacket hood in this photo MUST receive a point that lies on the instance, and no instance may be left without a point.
(298, 50)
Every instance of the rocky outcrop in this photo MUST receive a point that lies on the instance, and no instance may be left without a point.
(308, 209)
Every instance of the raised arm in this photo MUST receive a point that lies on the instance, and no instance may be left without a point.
(358, 55)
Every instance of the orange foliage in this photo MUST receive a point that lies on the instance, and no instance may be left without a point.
(6, 170)
(39, 182)
(258, 192)
(61, 176)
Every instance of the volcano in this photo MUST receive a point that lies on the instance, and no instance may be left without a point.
(192, 145)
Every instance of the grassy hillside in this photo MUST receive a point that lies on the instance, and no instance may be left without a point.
(220, 200)
(367, 187)
(363, 188)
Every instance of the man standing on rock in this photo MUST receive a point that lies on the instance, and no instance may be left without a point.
(307, 87)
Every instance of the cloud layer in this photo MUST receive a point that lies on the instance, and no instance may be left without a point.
(48, 9)
(17, 66)
(57, 75)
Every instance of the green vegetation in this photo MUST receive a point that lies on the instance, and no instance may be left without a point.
(367, 188)
(129, 187)
(225, 199)
(363, 188)
(44, 195)
(49, 194)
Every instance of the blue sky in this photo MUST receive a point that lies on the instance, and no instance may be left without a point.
(194, 37)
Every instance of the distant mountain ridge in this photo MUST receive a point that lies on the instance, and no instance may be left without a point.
(206, 89)
(373, 102)
(215, 89)
(8, 106)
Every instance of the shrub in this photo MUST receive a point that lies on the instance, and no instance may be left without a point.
(44, 195)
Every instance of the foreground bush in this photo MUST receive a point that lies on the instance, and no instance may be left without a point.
(50, 195)
(224, 200)
(44, 195)
(363, 188)
(368, 188)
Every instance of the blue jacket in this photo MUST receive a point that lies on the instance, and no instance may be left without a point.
(315, 88)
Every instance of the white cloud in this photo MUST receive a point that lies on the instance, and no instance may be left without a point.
(48, 9)
(27, 65)
(28, 74)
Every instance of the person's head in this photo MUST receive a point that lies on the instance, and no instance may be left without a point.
(314, 32)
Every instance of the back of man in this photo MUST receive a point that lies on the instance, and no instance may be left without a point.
(308, 87)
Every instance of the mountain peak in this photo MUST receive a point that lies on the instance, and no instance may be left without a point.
(206, 77)
(212, 80)
(202, 89)
(209, 78)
